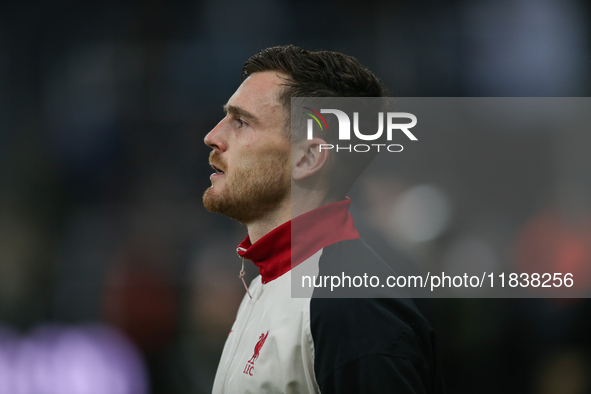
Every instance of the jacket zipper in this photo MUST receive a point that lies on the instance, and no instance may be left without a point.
(238, 345)
(254, 300)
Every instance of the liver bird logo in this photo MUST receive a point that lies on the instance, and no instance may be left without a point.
(249, 367)
(258, 346)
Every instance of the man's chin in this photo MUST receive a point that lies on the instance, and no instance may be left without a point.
(211, 200)
(215, 202)
(246, 198)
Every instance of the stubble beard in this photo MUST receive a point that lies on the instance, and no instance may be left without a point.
(251, 193)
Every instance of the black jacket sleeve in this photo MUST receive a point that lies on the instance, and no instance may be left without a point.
(377, 373)
(369, 345)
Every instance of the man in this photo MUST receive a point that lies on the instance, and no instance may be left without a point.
(264, 178)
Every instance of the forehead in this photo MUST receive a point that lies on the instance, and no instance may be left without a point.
(258, 94)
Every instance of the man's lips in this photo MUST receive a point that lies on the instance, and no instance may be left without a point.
(218, 165)
(218, 171)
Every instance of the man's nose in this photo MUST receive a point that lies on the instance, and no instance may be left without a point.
(215, 138)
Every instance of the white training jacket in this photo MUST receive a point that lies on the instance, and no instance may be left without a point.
(281, 344)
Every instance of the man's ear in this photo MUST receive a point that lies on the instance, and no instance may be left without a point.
(309, 157)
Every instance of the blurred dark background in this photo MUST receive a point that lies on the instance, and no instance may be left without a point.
(104, 242)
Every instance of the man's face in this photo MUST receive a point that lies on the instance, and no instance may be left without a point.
(250, 153)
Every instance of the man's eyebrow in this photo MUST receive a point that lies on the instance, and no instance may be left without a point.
(237, 111)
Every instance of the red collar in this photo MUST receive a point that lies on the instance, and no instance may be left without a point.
(296, 240)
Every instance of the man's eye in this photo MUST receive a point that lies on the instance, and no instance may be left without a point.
(241, 123)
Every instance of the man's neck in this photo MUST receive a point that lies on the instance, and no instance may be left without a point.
(288, 210)
(261, 227)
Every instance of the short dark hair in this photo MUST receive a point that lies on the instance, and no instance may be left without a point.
(316, 74)
(320, 74)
